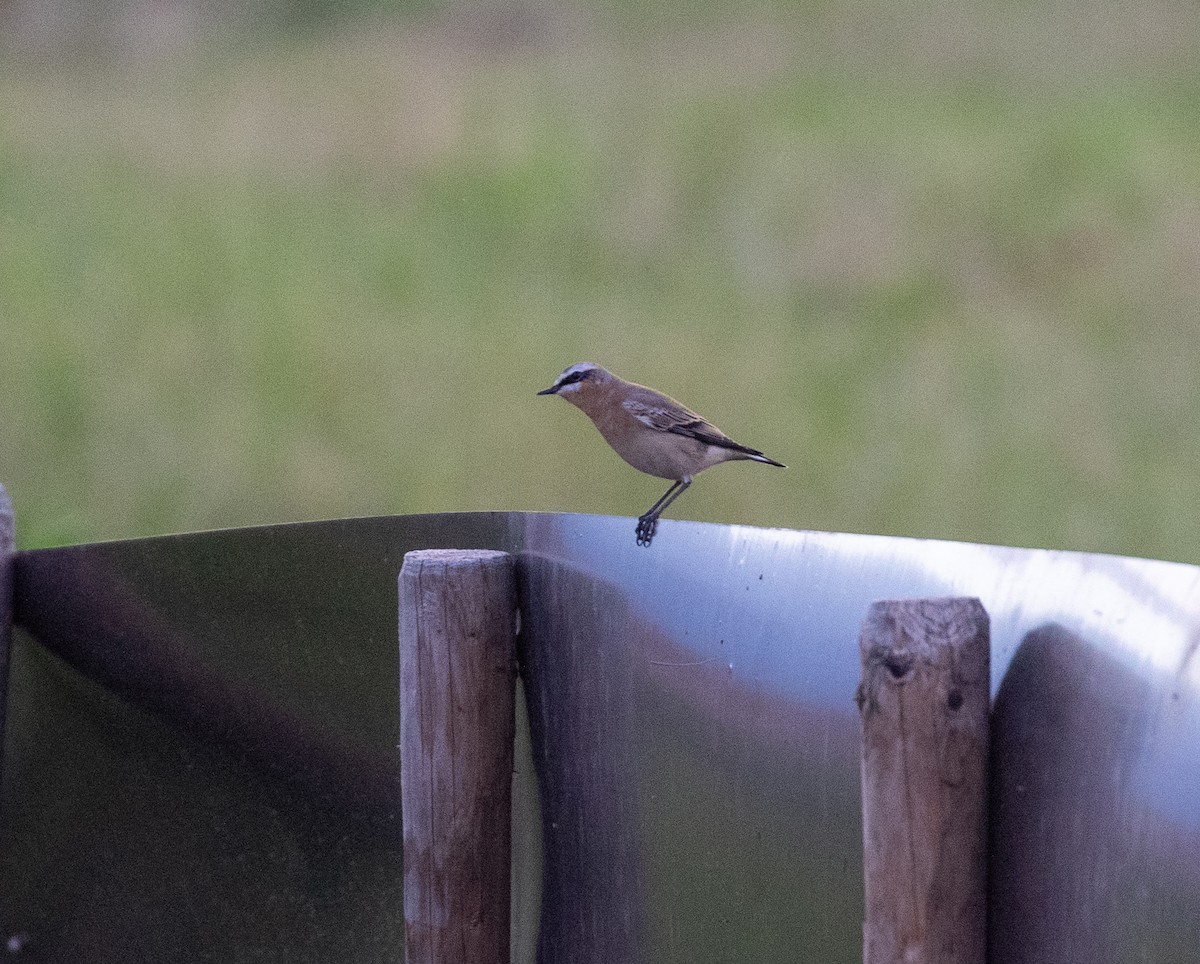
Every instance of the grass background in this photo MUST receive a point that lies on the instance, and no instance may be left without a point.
(943, 261)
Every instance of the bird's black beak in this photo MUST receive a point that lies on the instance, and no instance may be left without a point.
(552, 390)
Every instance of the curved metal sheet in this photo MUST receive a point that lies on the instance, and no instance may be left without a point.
(202, 749)
(7, 547)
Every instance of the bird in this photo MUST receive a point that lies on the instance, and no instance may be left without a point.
(651, 431)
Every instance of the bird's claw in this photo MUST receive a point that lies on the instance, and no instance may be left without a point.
(646, 527)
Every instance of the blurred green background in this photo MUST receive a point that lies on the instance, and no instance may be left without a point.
(306, 260)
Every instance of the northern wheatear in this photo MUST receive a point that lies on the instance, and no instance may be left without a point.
(650, 431)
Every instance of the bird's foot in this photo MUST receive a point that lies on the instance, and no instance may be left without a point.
(646, 527)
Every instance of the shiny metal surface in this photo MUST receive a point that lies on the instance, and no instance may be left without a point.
(7, 548)
(201, 757)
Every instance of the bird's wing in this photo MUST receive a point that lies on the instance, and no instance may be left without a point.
(665, 415)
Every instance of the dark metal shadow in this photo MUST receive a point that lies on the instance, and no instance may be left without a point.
(1089, 858)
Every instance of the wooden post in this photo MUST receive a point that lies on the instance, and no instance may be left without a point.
(457, 678)
(924, 700)
(7, 548)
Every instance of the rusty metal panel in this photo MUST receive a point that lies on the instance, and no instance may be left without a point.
(202, 743)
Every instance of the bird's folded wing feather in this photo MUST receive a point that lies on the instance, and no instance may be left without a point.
(674, 418)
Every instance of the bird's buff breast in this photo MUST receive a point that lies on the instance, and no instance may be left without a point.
(657, 453)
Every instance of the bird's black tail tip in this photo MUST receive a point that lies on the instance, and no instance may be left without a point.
(759, 457)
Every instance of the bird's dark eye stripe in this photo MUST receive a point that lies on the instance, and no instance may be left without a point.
(573, 377)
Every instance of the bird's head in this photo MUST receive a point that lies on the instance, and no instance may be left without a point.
(577, 381)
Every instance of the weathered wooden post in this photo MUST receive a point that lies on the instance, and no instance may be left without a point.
(457, 678)
(7, 547)
(924, 701)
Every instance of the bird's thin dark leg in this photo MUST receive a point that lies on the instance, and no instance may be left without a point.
(648, 521)
(665, 499)
(672, 496)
